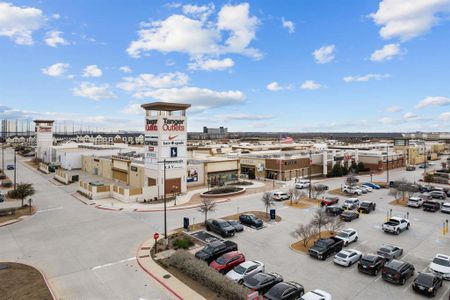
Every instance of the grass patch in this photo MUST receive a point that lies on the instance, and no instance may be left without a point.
(303, 203)
(338, 192)
(400, 202)
(20, 281)
(20, 211)
(300, 247)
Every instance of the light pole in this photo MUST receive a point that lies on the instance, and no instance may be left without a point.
(387, 163)
(165, 200)
(15, 169)
(174, 189)
(310, 166)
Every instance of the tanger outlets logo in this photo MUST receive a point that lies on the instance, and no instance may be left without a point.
(173, 125)
(151, 124)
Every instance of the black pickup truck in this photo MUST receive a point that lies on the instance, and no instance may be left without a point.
(431, 205)
(215, 249)
(324, 248)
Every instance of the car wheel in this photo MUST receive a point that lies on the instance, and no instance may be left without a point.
(345, 244)
(407, 227)
(208, 228)
(397, 232)
(356, 239)
(240, 281)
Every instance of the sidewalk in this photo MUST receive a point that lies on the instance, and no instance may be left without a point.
(173, 287)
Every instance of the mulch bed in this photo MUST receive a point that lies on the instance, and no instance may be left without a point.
(299, 247)
(400, 202)
(22, 211)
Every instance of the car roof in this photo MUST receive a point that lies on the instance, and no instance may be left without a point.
(395, 264)
(388, 246)
(249, 263)
(442, 256)
(346, 230)
(231, 254)
(370, 257)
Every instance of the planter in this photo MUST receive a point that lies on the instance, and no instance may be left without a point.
(223, 192)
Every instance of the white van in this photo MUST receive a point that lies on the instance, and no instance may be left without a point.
(415, 201)
(280, 196)
(445, 207)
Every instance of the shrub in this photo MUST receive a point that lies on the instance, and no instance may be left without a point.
(7, 183)
(2, 176)
(183, 243)
(200, 272)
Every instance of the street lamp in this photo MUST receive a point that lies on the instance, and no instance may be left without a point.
(15, 169)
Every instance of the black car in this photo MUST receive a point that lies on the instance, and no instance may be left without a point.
(237, 226)
(349, 215)
(397, 271)
(10, 167)
(425, 188)
(221, 227)
(431, 205)
(289, 290)
(366, 206)
(427, 283)
(333, 210)
(251, 220)
(262, 282)
(371, 264)
(441, 195)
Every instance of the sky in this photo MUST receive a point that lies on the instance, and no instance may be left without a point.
(288, 66)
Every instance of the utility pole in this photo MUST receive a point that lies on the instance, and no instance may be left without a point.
(387, 163)
(310, 171)
(425, 159)
(15, 169)
(165, 206)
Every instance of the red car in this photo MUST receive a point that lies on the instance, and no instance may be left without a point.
(330, 201)
(228, 261)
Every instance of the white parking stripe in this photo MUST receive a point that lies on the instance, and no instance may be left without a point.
(50, 209)
(113, 263)
(445, 293)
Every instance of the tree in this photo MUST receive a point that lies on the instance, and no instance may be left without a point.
(319, 220)
(402, 187)
(361, 167)
(351, 179)
(207, 205)
(353, 167)
(268, 201)
(428, 178)
(334, 224)
(317, 190)
(337, 170)
(304, 233)
(23, 190)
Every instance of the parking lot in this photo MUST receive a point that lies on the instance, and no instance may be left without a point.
(420, 244)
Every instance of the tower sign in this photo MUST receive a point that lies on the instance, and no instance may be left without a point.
(44, 139)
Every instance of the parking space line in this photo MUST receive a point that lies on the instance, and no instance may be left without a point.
(445, 293)
(49, 209)
(113, 263)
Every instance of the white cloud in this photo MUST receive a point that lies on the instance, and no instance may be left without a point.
(410, 116)
(54, 38)
(366, 77)
(200, 98)
(201, 12)
(289, 25)
(92, 71)
(197, 37)
(147, 82)
(56, 16)
(310, 85)
(211, 64)
(394, 109)
(434, 101)
(386, 120)
(408, 19)
(324, 54)
(125, 69)
(274, 86)
(19, 23)
(444, 116)
(133, 109)
(386, 53)
(94, 92)
(56, 70)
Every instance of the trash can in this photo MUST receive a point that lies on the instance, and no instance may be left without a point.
(272, 214)
(186, 223)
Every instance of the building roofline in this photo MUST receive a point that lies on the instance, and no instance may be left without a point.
(43, 121)
(165, 106)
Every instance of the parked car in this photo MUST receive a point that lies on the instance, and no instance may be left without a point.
(431, 205)
(371, 264)
(262, 282)
(215, 249)
(349, 215)
(316, 295)
(366, 206)
(302, 184)
(347, 257)
(10, 167)
(390, 252)
(423, 166)
(426, 196)
(372, 185)
(227, 261)
(280, 196)
(441, 195)
(348, 235)
(396, 225)
(244, 270)
(445, 207)
(425, 188)
(410, 168)
(324, 248)
(397, 271)
(427, 284)
(415, 201)
(351, 190)
(221, 227)
(333, 210)
(285, 291)
(327, 201)
(365, 189)
(441, 266)
(2, 198)
(351, 203)
(251, 220)
(236, 225)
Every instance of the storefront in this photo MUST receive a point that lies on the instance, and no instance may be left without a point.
(252, 168)
(220, 178)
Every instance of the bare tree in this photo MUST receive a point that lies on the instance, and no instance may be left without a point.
(268, 201)
(351, 179)
(334, 224)
(304, 233)
(298, 194)
(320, 220)
(317, 190)
(207, 205)
(402, 188)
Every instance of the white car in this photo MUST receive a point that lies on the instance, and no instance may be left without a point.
(352, 190)
(415, 201)
(302, 184)
(347, 257)
(365, 188)
(445, 207)
(351, 203)
(317, 295)
(245, 269)
(441, 266)
(279, 196)
(348, 235)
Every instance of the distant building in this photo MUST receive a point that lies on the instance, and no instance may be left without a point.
(220, 130)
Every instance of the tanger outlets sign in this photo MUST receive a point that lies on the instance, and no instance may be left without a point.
(173, 125)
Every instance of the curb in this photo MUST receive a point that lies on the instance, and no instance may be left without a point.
(17, 220)
(47, 283)
(178, 208)
(107, 208)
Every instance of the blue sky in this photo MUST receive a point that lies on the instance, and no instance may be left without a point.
(298, 66)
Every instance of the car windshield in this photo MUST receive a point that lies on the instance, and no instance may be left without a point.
(341, 255)
(254, 280)
(208, 249)
(441, 262)
(368, 260)
(342, 234)
(425, 279)
(239, 269)
(221, 261)
(384, 250)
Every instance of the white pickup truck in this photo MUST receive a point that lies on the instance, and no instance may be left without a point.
(396, 225)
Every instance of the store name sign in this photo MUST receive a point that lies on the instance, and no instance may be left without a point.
(151, 124)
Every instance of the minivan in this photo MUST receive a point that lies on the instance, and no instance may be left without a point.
(415, 201)
(280, 196)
